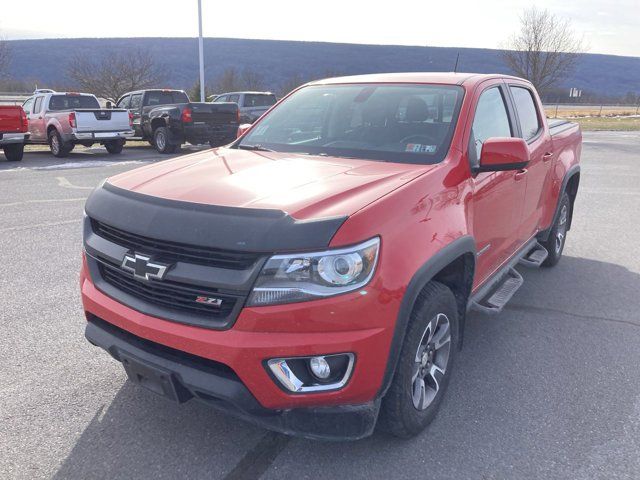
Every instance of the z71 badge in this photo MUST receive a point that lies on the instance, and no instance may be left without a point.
(214, 302)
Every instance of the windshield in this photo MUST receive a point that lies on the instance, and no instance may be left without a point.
(396, 123)
(72, 102)
(259, 100)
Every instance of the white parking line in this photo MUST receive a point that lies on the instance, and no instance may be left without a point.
(63, 182)
(49, 200)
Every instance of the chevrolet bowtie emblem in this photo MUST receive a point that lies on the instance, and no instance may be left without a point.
(143, 268)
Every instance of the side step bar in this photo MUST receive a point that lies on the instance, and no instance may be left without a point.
(499, 296)
(534, 257)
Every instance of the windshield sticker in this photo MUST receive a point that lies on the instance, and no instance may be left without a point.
(419, 148)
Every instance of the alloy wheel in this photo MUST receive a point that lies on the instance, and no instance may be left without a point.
(431, 361)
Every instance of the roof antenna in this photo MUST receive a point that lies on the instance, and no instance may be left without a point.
(455, 69)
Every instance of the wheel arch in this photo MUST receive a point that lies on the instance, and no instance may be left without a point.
(454, 266)
(570, 184)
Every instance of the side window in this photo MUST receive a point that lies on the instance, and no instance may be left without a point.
(527, 112)
(234, 98)
(136, 101)
(26, 106)
(223, 98)
(491, 120)
(124, 102)
(37, 105)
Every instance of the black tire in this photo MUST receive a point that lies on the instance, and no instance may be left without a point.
(161, 141)
(114, 146)
(59, 148)
(401, 415)
(558, 234)
(14, 152)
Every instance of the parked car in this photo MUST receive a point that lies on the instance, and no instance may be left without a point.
(252, 104)
(167, 119)
(316, 274)
(13, 131)
(63, 120)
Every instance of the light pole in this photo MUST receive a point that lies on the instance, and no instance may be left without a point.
(200, 51)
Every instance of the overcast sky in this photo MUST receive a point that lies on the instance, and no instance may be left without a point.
(611, 26)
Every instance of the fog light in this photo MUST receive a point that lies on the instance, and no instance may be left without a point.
(320, 368)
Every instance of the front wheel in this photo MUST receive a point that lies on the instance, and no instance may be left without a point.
(114, 146)
(425, 363)
(14, 152)
(558, 235)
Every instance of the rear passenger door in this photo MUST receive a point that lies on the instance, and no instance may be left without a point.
(497, 196)
(531, 128)
(136, 110)
(37, 120)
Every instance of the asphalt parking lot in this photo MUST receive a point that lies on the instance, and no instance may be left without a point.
(548, 389)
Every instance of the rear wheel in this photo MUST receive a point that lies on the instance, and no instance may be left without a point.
(162, 141)
(58, 147)
(558, 235)
(425, 363)
(14, 152)
(114, 146)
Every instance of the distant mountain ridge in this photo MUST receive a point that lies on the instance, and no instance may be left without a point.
(277, 61)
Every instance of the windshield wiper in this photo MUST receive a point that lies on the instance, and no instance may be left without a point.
(258, 148)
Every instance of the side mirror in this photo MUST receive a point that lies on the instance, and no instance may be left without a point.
(242, 129)
(503, 153)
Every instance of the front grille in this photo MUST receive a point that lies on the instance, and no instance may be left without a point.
(173, 295)
(172, 252)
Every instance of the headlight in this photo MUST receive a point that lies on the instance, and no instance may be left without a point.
(307, 276)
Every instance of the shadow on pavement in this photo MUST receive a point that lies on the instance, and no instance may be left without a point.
(547, 389)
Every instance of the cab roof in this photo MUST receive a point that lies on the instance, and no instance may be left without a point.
(446, 78)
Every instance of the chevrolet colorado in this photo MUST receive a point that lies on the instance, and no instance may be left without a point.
(64, 119)
(314, 276)
(167, 119)
(13, 131)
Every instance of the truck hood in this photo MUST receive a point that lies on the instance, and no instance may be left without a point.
(305, 187)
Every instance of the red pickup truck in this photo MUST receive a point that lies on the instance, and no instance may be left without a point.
(314, 276)
(13, 131)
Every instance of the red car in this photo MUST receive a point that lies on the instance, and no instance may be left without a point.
(13, 131)
(314, 276)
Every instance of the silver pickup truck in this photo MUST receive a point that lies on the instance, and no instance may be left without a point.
(64, 120)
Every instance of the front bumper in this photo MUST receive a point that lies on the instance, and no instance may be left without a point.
(188, 376)
(101, 136)
(12, 138)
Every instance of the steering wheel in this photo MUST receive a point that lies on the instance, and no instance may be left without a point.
(416, 139)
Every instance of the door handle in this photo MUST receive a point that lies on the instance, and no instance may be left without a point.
(520, 174)
(547, 156)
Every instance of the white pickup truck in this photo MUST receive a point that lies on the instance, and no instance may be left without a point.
(63, 120)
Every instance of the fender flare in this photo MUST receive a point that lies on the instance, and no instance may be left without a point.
(426, 273)
(574, 170)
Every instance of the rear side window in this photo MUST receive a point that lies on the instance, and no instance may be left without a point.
(491, 120)
(234, 98)
(526, 111)
(165, 98)
(259, 100)
(71, 102)
(136, 101)
(38, 105)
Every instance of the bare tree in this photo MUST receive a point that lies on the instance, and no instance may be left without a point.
(116, 73)
(291, 83)
(544, 51)
(5, 58)
(232, 81)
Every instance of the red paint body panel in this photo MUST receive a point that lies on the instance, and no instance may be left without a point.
(12, 119)
(416, 210)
